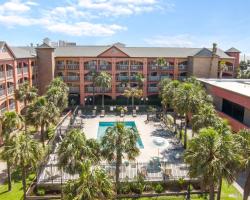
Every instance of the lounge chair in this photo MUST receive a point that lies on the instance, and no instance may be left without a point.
(102, 113)
(93, 113)
(134, 113)
(122, 113)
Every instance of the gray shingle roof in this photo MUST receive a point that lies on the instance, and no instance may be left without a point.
(2, 43)
(232, 50)
(23, 52)
(94, 51)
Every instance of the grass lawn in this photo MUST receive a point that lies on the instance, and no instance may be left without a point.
(17, 191)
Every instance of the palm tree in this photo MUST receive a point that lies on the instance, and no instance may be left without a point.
(94, 75)
(141, 79)
(103, 80)
(222, 67)
(162, 84)
(118, 142)
(187, 100)
(212, 156)
(10, 122)
(42, 113)
(161, 62)
(93, 184)
(133, 93)
(243, 138)
(57, 93)
(24, 153)
(75, 149)
(26, 93)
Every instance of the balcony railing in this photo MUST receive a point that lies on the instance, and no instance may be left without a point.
(152, 89)
(105, 67)
(170, 67)
(153, 78)
(10, 90)
(2, 110)
(1, 74)
(98, 90)
(60, 66)
(12, 106)
(183, 67)
(9, 73)
(25, 70)
(133, 78)
(72, 66)
(120, 89)
(71, 78)
(122, 78)
(122, 67)
(136, 67)
(90, 67)
(88, 78)
(153, 67)
(2, 92)
(74, 89)
(165, 76)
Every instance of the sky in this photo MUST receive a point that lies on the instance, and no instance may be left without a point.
(178, 23)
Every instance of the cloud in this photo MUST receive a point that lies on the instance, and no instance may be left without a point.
(183, 40)
(14, 6)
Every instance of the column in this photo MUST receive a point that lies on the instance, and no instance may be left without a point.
(82, 88)
(176, 68)
(145, 74)
(113, 60)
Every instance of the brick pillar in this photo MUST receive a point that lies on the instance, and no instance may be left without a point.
(30, 72)
(18, 109)
(82, 88)
(176, 69)
(5, 85)
(145, 74)
(113, 78)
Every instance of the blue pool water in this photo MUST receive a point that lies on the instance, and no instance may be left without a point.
(104, 125)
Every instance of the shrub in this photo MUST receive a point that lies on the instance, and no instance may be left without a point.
(40, 192)
(124, 188)
(148, 187)
(159, 188)
(137, 187)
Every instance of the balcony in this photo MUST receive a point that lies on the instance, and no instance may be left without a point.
(122, 78)
(12, 106)
(25, 70)
(122, 67)
(97, 90)
(165, 76)
(105, 67)
(153, 67)
(153, 89)
(71, 78)
(10, 90)
(74, 89)
(9, 73)
(182, 67)
(170, 67)
(2, 110)
(120, 89)
(133, 78)
(88, 78)
(1, 75)
(136, 67)
(2, 93)
(90, 67)
(153, 78)
(60, 66)
(19, 70)
(72, 66)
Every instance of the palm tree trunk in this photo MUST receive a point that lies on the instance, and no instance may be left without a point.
(185, 134)
(24, 182)
(103, 100)
(219, 188)
(175, 126)
(247, 188)
(117, 171)
(42, 135)
(9, 176)
(211, 190)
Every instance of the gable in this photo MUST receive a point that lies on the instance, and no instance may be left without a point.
(6, 53)
(204, 53)
(113, 52)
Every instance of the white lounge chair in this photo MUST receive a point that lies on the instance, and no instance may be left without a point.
(102, 113)
(134, 113)
(93, 113)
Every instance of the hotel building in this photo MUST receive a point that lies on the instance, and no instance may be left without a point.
(76, 64)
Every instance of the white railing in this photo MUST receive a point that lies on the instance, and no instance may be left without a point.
(122, 78)
(153, 78)
(74, 89)
(25, 70)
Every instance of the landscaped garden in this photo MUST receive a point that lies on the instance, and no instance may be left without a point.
(71, 164)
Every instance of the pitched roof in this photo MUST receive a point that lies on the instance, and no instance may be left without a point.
(24, 52)
(204, 53)
(45, 46)
(94, 51)
(232, 50)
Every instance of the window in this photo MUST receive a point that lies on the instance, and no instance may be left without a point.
(234, 110)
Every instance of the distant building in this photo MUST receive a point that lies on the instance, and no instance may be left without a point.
(231, 99)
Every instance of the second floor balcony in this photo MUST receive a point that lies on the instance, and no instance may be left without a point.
(72, 66)
(154, 78)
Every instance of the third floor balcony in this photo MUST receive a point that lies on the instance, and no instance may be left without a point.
(73, 66)
(122, 67)
(71, 78)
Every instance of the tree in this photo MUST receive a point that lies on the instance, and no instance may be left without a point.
(222, 67)
(161, 62)
(118, 142)
(162, 84)
(187, 100)
(26, 93)
(140, 79)
(57, 93)
(10, 122)
(24, 153)
(103, 80)
(210, 156)
(75, 149)
(42, 113)
(133, 93)
(93, 184)
(243, 138)
(94, 75)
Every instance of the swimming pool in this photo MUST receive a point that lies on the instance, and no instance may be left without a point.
(104, 125)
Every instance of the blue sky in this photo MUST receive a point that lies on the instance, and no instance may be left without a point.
(188, 23)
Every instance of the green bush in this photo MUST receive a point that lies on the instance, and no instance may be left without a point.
(137, 187)
(148, 187)
(40, 192)
(159, 189)
(124, 188)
